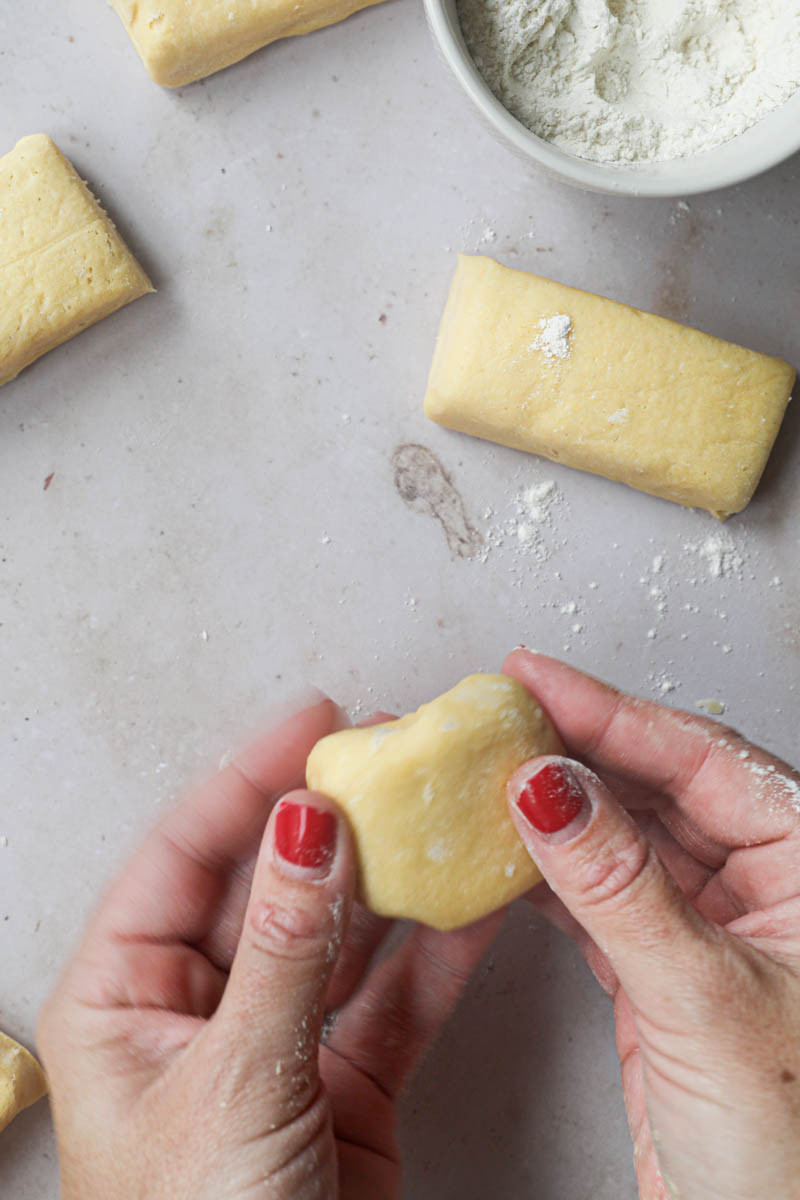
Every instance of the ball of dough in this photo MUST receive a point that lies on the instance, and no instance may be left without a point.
(426, 799)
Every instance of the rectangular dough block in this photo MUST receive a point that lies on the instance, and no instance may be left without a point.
(180, 41)
(63, 265)
(606, 388)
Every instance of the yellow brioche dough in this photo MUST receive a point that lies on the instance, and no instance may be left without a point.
(625, 394)
(426, 799)
(22, 1080)
(63, 265)
(183, 40)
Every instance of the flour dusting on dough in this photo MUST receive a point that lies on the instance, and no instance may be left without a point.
(553, 340)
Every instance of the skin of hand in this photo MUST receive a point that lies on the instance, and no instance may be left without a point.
(182, 1042)
(671, 852)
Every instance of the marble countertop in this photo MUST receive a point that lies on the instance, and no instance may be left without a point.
(244, 494)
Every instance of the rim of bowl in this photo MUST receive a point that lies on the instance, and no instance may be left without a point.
(772, 140)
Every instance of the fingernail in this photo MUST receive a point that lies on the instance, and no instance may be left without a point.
(290, 698)
(552, 799)
(305, 836)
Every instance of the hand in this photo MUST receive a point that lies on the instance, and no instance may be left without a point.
(183, 1041)
(687, 907)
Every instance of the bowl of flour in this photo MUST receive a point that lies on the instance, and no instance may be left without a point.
(634, 97)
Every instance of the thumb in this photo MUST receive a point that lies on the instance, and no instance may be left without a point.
(270, 1017)
(597, 860)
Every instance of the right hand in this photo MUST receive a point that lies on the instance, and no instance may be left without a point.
(687, 907)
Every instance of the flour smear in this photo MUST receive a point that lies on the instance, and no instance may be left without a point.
(636, 80)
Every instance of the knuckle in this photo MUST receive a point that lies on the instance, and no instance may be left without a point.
(288, 931)
(612, 874)
(303, 1155)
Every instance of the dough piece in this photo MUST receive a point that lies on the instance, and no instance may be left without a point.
(183, 40)
(63, 265)
(597, 385)
(426, 799)
(22, 1080)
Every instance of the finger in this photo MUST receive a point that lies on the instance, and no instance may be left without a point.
(724, 791)
(150, 975)
(602, 867)
(691, 877)
(365, 932)
(756, 877)
(386, 1027)
(689, 874)
(774, 930)
(545, 901)
(220, 942)
(364, 935)
(175, 884)
(299, 906)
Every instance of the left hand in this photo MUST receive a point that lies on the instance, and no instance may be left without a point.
(183, 1040)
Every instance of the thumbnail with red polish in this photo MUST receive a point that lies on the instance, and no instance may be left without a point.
(304, 835)
(551, 798)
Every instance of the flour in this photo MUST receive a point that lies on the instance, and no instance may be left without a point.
(620, 417)
(528, 527)
(721, 554)
(553, 337)
(636, 80)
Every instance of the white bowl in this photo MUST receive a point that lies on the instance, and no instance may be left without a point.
(772, 140)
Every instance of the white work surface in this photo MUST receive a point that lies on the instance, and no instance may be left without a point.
(223, 520)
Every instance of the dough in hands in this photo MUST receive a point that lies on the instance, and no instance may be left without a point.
(426, 799)
(22, 1080)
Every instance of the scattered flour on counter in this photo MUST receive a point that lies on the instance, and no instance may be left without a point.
(636, 80)
(722, 556)
(554, 337)
(682, 207)
(662, 683)
(537, 499)
(529, 526)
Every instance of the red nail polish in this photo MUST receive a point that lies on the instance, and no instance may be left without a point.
(304, 835)
(551, 798)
